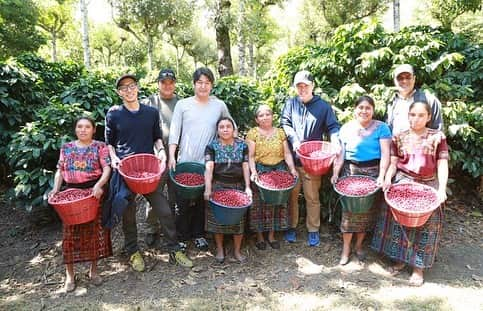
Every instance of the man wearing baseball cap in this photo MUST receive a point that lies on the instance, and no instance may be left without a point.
(164, 100)
(133, 128)
(307, 117)
(398, 108)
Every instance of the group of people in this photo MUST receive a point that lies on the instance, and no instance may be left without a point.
(200, 129)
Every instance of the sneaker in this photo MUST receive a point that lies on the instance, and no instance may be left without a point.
(150, 239)
(313, 239)
(179, 258)
(182, 246)
(291, 235)
(137, 261)
(201, 244)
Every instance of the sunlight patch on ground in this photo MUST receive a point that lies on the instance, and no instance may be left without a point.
(37, 260)
(306, 266)
(439, 296)
(305, 302)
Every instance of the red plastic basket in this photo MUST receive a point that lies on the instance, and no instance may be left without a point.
(316, 166)
(77, 211)
(141, 163)
(410, 218)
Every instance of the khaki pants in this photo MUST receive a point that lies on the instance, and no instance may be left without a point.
(311, 186)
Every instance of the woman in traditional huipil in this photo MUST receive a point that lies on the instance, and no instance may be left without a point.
(84, 163)
(267, 151)
(365, 143)
(226, 167)
(419, 154)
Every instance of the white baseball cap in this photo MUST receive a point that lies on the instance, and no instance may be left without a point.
(303, 77)
(403, 68)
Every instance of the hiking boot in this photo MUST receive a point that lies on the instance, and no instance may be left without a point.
(201, 244)
(150, 239)
(179, 258)
(313, 239)
(137, 262)
(291, 235)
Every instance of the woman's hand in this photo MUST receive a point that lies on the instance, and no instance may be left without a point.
(248, 191)
(386, 184)
(442, 196)
(294, 172)
(207, 194)
(380, 181)
(254, 177)
(97, 191)
(334, 178)
(52, 193)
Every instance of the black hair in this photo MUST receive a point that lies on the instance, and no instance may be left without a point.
(424, 103)
(224, 119)
(367, 99)
(203, 71)
(91, 121)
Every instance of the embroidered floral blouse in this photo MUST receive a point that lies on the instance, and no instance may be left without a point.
(268, 150)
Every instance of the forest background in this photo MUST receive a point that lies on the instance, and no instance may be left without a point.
(59, 60)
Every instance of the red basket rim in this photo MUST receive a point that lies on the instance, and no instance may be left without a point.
(412, 213)
(355, 196)
(162, 165)
(257, 182)
(69, 202)
(232, 207)
(321, 142)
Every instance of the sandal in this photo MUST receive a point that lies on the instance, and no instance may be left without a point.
(69, 286)
(96, 280)
(361, 256)
(344, 260)
(220, 260)
(261, 245)
(416, 280)
(274, 244)
(395, 270)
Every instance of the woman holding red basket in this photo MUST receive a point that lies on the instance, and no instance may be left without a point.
(84, 163)
(419, 155)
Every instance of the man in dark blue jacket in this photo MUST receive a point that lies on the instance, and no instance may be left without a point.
(307, 117)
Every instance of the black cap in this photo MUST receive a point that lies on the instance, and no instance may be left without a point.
(125, 76)
(166, 74)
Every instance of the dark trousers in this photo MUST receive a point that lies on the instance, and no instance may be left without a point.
(164, 214)
(190, 218)
(152, 224)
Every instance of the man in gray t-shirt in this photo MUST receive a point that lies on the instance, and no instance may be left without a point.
(193, 127)
(165, 101)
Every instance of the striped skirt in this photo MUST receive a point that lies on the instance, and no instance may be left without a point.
(211, 225)
(267, 217)
(86, 242)
(416, 247)
(359, 222)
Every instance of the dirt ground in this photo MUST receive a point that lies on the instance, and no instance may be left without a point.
(295, 277)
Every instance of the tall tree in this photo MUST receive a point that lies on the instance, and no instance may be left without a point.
(107, 43)
(339, 12)
(54, 16)
(396, 9)
(446, 11)
(17, 27)
(241, 38)
(148, 20)
(222, 19)
(85, 34)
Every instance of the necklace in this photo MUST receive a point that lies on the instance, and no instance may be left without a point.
(365, 131)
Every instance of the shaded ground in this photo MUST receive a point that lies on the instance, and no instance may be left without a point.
(294, 278)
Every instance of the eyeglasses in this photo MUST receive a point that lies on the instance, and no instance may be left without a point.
(130, 87)
(203, 83)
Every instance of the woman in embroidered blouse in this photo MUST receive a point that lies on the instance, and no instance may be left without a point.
(84, 163)
(267, 151)
(226, 167)
(365, 143)
(419, 154)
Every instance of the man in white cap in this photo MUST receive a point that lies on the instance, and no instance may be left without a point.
(307, 117)
(398, 108)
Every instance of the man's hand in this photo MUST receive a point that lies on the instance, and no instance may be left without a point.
(172, 164)
(115, 161)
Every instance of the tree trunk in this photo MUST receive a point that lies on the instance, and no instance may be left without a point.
(223, 44)
(241, 39)
(85, 34)
(54, 47)
(396, 14)
(149, 39)
(251, 61)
